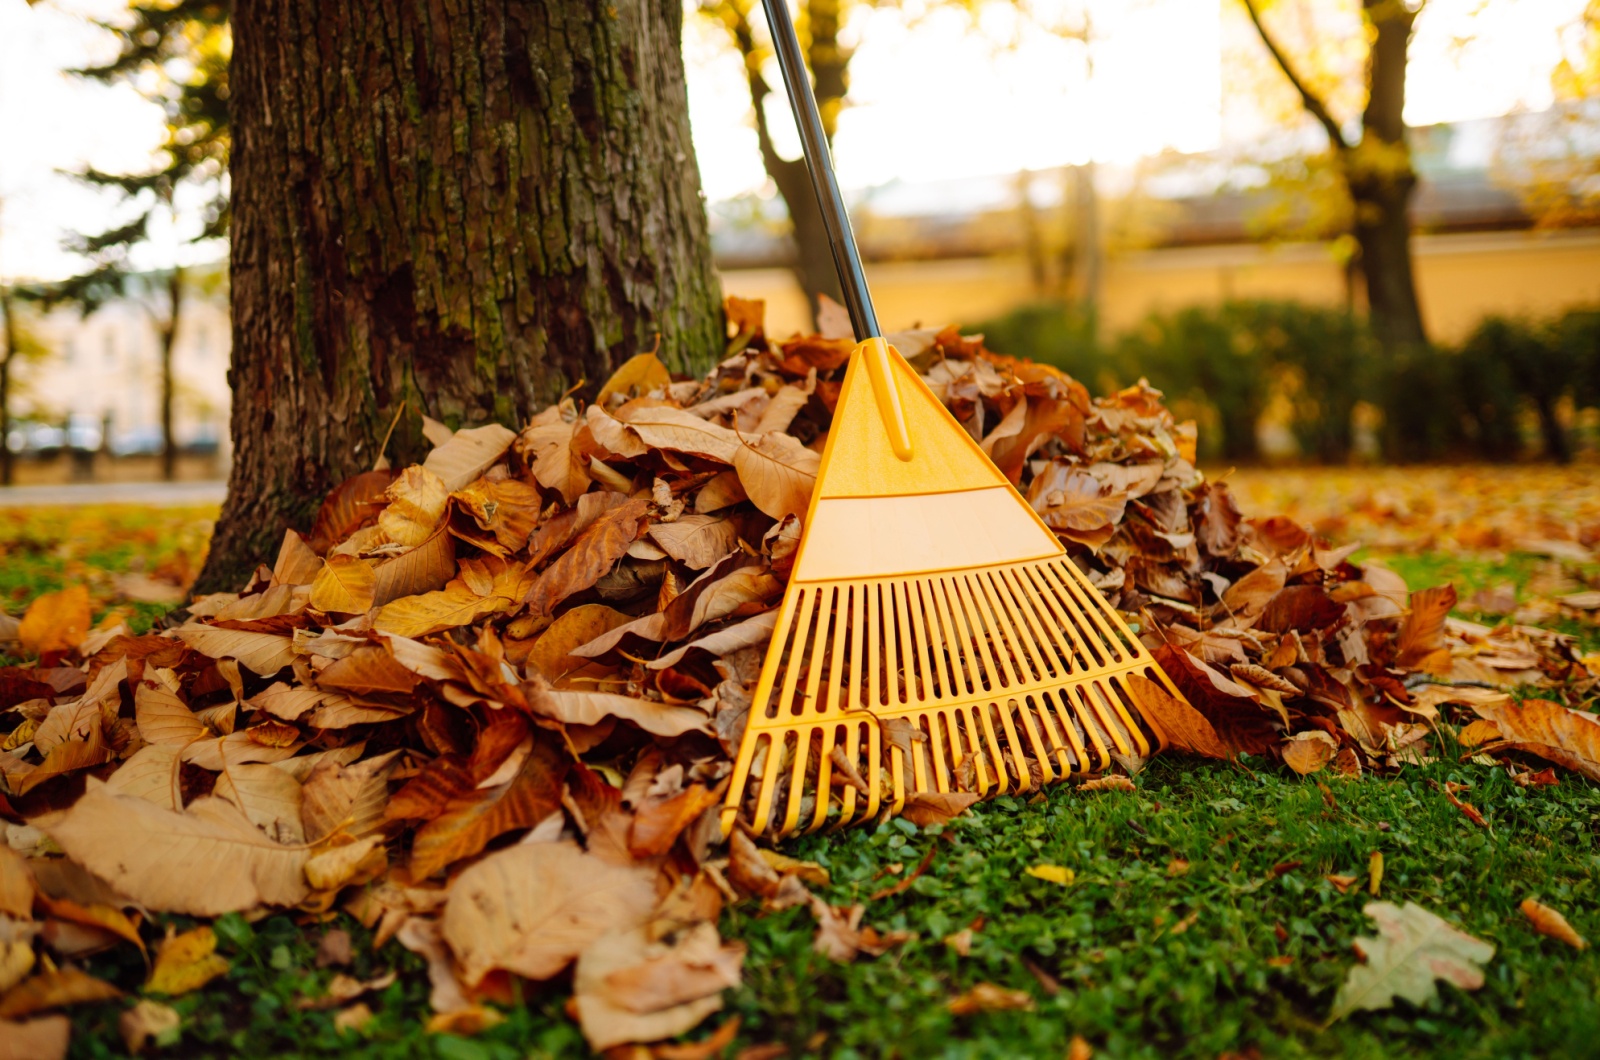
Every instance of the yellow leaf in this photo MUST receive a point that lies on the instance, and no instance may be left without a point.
(1053, 874)
(643, 373)
(454, 605)
(340, 864)
(573, 629)
(1307, 752)
(1478, 732)
(16, 961)
(186, 962)
(55, 622)
(345, 584)
(417, 501)
(54, 988)
(1375, 871)
(1547, 921)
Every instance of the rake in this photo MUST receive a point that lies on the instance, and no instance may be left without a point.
(929, 607)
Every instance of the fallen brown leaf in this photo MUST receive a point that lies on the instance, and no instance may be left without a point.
(987, 997)
(1547, 921)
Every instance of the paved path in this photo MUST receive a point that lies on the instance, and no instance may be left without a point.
(147, 494)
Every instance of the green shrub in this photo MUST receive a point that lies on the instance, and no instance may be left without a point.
(1057, 334)
(1226, 364)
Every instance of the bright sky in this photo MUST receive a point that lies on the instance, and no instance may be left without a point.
(930, 96)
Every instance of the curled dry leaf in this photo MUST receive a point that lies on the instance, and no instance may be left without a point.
(987, 997)
(1549, 730)
(417, 500)
(1547, 921)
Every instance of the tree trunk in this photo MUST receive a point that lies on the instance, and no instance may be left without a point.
(1377, 169)
(1087, 249)
(1381, 179)
(813, 266)
(166, 334)
(459, 208)
(7, 458)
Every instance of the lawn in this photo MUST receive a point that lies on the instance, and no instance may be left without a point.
(1199, 920)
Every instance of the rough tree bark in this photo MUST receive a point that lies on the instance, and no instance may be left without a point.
(1376, 169)
(451, 207)
(7, 458)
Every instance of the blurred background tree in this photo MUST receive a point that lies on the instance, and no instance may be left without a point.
(818, 24)
(176, 55)
(1373, 164)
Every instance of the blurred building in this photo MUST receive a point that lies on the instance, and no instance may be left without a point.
(1183, 230)
(100, 389)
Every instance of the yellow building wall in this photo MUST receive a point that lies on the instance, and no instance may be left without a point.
(1460, 279)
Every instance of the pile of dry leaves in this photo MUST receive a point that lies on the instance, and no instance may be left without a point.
(487, 704)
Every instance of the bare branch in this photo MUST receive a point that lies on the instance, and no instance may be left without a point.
(1313, 104)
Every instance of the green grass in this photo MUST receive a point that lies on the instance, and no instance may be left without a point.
(1129, 983)
(1471, 573)
(46, 549)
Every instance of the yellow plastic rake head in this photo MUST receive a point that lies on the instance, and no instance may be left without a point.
(930, 612)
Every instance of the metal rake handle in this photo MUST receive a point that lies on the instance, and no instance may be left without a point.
(846, 258)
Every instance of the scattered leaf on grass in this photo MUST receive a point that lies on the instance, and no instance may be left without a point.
(186, 962)
(1113, 782)
(1547, 921)
(55, 622)
(146, 1021)
(1308, 752)
(1052, 874)
(987, 997)
(936, 807)
(1413, 947)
